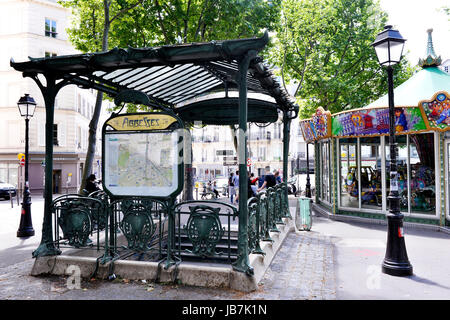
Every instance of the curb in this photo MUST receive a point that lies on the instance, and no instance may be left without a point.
(407, 225)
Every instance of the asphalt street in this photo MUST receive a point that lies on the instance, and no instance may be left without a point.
(334, 261)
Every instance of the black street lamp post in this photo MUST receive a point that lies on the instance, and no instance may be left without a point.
(26, 106)
(389, 47)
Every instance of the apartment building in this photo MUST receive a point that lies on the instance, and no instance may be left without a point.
(265, 145)
(37, 28)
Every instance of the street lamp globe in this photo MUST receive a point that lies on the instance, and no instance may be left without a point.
(26, 105)
(389, 46)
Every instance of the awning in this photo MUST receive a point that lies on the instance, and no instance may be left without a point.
(172, 76)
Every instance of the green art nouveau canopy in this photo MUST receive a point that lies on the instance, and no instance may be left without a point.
(175, 76)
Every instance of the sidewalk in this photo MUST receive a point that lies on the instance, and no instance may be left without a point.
(335, 260)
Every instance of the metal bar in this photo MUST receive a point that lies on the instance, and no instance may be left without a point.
(188, 85)
(242, 263)
(46, 247)
(157, 69)
(156, 76)
(204, 88)
(166, 80)
(286, 135)
(182, 80)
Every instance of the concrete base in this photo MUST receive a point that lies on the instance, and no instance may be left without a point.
(186, 273)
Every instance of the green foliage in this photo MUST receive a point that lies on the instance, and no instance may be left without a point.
(326, 46)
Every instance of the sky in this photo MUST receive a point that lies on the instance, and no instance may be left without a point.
(412, 18)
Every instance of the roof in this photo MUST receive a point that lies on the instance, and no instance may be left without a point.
(421, 86)
(171, 76)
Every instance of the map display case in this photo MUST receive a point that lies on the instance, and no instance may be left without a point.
(142, 155)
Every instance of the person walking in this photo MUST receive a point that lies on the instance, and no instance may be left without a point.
(236, 186)
(231, 186)
(269, 180)
(276, 174)
(253, 183)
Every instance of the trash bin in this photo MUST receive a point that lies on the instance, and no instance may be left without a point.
(303, 220)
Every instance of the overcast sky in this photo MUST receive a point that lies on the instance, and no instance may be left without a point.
(412, 18)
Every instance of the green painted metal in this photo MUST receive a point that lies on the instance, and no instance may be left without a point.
(242, 263)
(286, 135)
(255, 226)
(224, 111)
(303, 213)
(134, 75)
(137, 225)
(77, 217)
(204, 230)
(47, 246)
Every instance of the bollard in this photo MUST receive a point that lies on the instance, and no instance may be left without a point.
(11, 198)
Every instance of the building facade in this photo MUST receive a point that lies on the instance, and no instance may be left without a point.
(36, 28)
(214, 150)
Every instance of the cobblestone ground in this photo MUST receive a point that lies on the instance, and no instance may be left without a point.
(302, 269)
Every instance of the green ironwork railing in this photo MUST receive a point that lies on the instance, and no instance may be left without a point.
(266, 210)
(138, 229)
(76, 219)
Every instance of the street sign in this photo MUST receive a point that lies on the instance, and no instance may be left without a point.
(224, 152)
(230, 163)
(22, 161)
(249, 162)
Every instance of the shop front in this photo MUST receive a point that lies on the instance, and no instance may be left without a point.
(352, 161)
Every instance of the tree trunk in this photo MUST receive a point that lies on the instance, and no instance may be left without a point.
(90, 154)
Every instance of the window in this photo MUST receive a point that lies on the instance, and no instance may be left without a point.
(370, 173)
(402, 169)
(50, 28)
(365, 184)
(349, 173)
(50, 54)
(422, 173)
(55, 134)
(325, 188)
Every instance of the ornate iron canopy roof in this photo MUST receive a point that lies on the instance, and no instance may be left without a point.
(171, 76)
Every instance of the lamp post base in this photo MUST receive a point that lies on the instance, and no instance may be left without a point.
(397, 269)
(396, 261)
(25, 233)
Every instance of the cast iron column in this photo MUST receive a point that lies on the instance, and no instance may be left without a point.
(26, 226)
(395, 262)
(242, 262)
(308, 180)
(286, 136)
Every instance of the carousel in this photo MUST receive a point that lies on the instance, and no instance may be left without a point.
(352, 151)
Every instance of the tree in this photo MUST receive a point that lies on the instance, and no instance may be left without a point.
(100, 24)
(325, 45)
(93, 21)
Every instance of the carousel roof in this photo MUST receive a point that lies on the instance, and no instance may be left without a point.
(421, 86)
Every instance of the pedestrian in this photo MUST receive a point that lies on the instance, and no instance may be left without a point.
(269, 180)
(231, 186)
(236, 186)
(276, 174)
(253, 183)
(91, 184)
(250, 191)
(214, 189)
